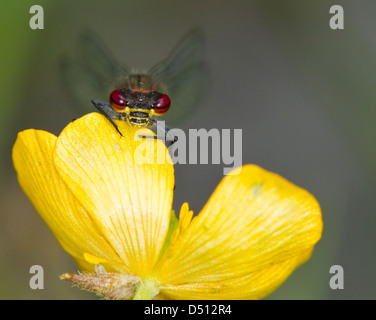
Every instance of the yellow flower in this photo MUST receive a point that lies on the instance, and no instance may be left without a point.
(113, 215)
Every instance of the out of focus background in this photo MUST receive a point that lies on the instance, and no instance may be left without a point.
(303, 94)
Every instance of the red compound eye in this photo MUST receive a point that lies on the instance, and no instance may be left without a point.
(162, 105)
(117, 100)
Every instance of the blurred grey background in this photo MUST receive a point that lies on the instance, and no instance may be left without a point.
(303, 95)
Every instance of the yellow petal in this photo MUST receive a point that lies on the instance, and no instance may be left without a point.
(253, 286)
(129, 201)
(70, 223)
(256, 224)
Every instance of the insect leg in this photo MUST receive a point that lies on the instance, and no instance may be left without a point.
(168, 134)
(159, 127)
(99, 106)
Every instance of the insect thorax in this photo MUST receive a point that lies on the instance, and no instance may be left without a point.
(141, 82)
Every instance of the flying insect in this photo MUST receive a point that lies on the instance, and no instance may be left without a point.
(168, 91)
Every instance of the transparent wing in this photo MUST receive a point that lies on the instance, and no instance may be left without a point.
(92, 73)
(184, 76)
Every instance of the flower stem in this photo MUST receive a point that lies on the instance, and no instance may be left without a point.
(147, 289)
